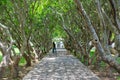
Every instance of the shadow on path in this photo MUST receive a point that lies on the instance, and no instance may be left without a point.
(60, 66)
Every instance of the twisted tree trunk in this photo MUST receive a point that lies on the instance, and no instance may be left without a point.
(106, 58)
(6, 51)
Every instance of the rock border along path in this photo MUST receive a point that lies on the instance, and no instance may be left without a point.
(60, 67)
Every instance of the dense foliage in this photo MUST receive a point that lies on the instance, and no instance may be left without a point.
(30, 25)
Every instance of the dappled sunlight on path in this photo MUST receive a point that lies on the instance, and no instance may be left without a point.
(59, 66)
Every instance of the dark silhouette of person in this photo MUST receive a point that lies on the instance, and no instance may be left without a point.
(54, 47)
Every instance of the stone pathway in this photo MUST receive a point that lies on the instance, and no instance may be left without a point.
(60, 67)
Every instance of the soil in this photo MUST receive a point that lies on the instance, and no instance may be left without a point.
(106, 76)
(22, 72)
(106, 73)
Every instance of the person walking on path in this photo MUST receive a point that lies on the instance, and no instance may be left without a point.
(54, 48)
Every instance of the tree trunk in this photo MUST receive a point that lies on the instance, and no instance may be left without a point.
(15, 67)
(106, 58)
(28, 59)
(2, 71)
(117, 43)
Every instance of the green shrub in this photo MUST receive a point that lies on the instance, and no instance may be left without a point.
(22, 61)
(118, 78)
(118, 59)
(0, 57)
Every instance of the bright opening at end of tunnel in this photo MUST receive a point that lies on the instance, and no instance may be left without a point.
(58, 42)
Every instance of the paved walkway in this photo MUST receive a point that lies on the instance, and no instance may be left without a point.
(60, 67)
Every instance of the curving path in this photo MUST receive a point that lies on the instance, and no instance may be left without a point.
(60, 67)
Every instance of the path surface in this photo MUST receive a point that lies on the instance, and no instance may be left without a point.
(60, 67)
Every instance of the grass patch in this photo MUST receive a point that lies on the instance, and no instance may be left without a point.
(92, 56)
(118, 59)
(22, 61)
(92, 53)
(1, 57)
(118, 78)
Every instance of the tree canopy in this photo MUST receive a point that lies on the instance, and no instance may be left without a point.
(30, 26)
